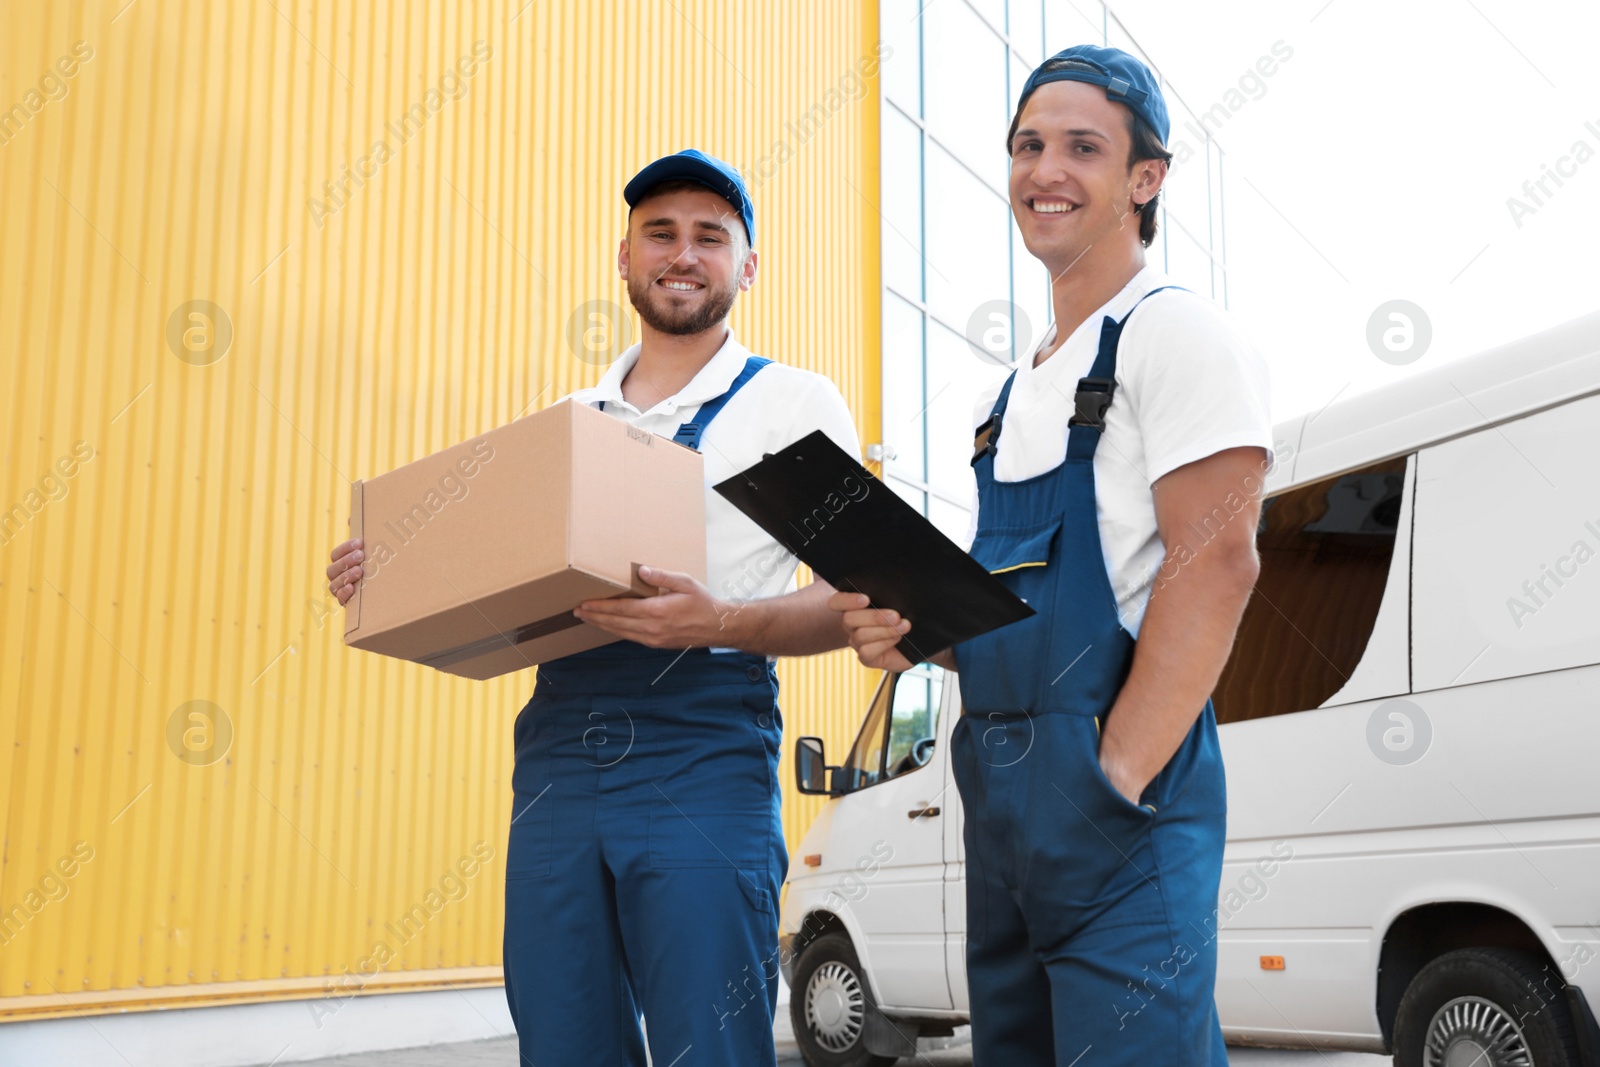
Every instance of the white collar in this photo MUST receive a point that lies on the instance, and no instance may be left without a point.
(710, 382)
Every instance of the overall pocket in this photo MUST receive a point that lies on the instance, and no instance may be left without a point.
(529, 846)
(1003, 670)
(1146, 808)
(1088, 849)
(682, 839)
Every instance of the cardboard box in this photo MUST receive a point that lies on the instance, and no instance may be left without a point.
(477, 555)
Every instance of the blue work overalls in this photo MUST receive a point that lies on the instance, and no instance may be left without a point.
(1090, 919)
(646, 854)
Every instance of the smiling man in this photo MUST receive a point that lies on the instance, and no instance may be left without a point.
(1087, 757)
(646, 853)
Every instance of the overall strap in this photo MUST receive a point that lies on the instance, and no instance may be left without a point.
(1093, 397)
(690, 432)
(988, 437)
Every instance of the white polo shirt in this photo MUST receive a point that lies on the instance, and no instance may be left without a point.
(776, 408)
(1189, 385)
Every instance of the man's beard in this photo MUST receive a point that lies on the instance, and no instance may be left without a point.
(712, 310)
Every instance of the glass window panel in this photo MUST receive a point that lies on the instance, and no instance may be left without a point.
(965, 234)
(1026, 30)
(1031, 295)
(965, 92)
(1219, 250)
(864, 766)
(1184, 194)
(901, 201)
(1070, 22)
(913, 723)
(1019, 78)
(1117, 36)
(910, 494)
(955, 523)
(1188, 138)
(1325, 552)
(901, 68)
(1187, 262)
(1030, 288)
(903, 396)
(993, 10)
(956, 376)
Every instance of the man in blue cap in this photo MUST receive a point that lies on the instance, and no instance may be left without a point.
(646, 852)
(1119, 472)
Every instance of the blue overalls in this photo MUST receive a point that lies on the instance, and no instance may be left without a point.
(1090, 919)
(646, 854)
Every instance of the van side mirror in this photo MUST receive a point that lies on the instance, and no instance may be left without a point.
(811, 770)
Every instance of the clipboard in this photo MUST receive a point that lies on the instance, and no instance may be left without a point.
(822, 505)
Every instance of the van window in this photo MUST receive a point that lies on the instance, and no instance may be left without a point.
(1507, 574)
(1325, 554)
(864, 766)
(914, 721)
(898, 734)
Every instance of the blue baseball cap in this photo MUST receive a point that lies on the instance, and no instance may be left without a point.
(1127, 81)
(721, 178)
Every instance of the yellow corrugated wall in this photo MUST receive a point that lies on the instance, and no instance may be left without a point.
(169, 503)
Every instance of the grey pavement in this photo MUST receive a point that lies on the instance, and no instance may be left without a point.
(502, 1052)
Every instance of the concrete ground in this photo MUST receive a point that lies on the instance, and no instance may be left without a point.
(503, 1053)
(934, 1052)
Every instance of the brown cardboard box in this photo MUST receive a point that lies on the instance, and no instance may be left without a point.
(476, 555)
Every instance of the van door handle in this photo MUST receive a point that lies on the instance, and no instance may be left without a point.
(917, 813)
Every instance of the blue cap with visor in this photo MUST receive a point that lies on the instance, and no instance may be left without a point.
(695, 166)
(1127, 81)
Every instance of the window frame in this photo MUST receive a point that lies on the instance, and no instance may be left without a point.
(1403, 531)
(882, 708)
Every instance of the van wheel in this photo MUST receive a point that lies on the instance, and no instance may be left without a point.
(829, 1004)
(1485, 1006)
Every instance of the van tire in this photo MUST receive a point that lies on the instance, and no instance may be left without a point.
(1523, 997)
(844, 993)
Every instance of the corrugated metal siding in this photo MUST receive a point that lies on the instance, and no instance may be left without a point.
(429, 302)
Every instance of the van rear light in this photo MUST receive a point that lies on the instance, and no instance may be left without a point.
(1272, 963)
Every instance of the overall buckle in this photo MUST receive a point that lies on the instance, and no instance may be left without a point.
(688, 435)
(1092, 400)
(987, 439)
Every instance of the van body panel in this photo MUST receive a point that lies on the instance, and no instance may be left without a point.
(1449, 401)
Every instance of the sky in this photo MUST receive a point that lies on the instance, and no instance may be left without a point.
(1376, 164)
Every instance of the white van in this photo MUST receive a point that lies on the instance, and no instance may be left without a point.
(1411, 728)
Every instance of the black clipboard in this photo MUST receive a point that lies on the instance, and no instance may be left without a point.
(817, 501)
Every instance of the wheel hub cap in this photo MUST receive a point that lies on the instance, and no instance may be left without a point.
(835, 1006)
(1474, 1032)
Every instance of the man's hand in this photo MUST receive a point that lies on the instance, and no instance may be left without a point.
(873, 632)
(685, 615)
(1122, 779)
(345, 570)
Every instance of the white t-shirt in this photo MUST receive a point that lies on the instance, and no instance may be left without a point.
(776, 408)
(1189, 385)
